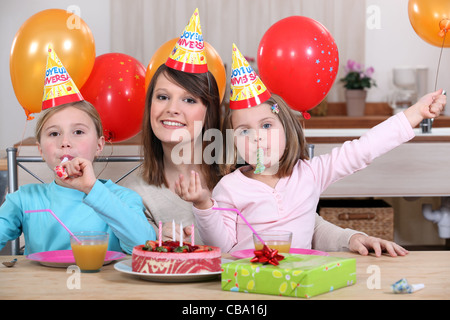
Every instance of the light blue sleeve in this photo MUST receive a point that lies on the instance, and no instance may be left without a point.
(122, 209)
(10, 220)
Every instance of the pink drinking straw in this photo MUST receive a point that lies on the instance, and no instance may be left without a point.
(54, 215)
(245, 220)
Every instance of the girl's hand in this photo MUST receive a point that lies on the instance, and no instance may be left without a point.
(81, 174)
(193, 191)
(428, 107)
(362, 244)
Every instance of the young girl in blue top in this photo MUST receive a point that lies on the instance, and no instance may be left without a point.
(81, 201)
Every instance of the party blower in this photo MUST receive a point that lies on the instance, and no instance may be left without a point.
(266, 254)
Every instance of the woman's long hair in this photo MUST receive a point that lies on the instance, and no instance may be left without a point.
(201, 85)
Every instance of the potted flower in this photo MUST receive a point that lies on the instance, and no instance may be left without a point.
(356, 80)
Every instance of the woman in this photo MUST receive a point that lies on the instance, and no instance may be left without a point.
(175, 102)
(178, 105)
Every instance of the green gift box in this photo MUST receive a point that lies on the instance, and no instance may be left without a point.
(297, 275)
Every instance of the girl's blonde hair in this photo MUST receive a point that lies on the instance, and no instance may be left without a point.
(296, 146)
(82, 105)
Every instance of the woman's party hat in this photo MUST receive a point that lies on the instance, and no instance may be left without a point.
(247, 89)
(59, 87)
(189, 54)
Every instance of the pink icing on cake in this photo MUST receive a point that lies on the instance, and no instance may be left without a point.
(204, 259)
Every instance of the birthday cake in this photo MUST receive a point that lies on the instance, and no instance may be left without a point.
(171, 258)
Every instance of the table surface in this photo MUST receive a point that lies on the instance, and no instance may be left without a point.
(31, 280)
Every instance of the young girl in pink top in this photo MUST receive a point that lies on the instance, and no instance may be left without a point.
(286, 194)
(285, 197)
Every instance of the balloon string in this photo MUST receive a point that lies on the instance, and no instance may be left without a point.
(439, 61)
(23, 136)
(110, 154)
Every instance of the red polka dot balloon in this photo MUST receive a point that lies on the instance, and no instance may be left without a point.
(298, 59)
(116, 88)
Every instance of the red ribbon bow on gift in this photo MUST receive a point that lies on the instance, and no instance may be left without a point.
(267, 255)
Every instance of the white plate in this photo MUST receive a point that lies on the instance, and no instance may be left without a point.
(125, 267)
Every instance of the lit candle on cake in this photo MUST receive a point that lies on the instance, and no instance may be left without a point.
(173, 230)
(160, 233)
(181, 234)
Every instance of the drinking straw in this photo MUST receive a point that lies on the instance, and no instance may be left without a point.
(54, 215)
(245, 220)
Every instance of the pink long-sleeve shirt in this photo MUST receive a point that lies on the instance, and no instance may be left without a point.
(292, 204)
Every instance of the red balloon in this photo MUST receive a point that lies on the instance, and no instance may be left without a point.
(116, 88)
(298, 59)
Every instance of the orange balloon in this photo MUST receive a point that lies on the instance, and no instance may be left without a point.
(215, 64)
(430, 19)
(73, 42)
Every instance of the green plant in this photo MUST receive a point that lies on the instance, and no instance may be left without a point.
(357, 78)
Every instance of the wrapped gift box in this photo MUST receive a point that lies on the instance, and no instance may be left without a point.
(297, 275)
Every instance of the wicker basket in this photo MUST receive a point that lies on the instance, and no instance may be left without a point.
(374, 217)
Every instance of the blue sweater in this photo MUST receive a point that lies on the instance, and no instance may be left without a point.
(108, 207)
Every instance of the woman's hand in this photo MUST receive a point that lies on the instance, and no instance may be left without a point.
(193, 191)
(362, 244)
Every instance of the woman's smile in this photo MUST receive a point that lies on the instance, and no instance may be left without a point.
(170, 124)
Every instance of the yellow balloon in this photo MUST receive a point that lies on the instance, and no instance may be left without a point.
(215, 64)
(73, 42)
(430, 19)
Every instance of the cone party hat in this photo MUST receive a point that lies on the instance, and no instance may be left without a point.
(247, 89)
(189, 54)
(59, 87)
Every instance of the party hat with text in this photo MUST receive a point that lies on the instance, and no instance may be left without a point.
(189, 54)
(247, 89)
(59, 87)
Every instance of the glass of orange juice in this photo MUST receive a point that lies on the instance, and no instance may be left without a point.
(89, 249)
(275, 239)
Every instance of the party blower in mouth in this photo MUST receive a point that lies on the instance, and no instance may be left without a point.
(60, 171)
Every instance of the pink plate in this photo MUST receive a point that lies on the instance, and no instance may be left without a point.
(249, 253)
(64, 258)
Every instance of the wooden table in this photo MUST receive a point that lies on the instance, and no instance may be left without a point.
(30, 280)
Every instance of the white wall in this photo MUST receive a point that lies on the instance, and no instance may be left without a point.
(390, 44)
(395, 43)
(96, 14)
